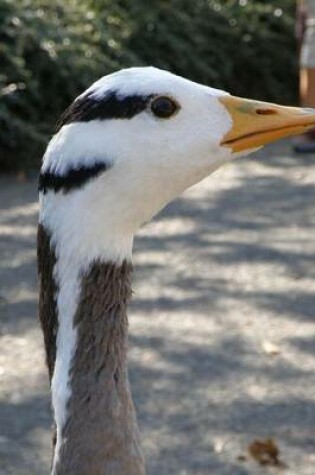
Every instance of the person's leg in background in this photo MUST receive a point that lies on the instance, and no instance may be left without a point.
(305, 32)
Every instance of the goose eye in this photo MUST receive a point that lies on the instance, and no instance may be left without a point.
(163, 107)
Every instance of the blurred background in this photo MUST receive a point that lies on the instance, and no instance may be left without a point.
(52, 50)
(222, 327)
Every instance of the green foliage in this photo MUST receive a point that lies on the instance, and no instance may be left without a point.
(51, 50)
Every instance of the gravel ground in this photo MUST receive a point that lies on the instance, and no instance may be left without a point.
(222, 325)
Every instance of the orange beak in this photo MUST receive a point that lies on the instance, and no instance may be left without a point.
(257, 123)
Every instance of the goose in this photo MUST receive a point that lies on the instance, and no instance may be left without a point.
(125, 147)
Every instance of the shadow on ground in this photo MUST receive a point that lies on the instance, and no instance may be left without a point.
(221, 271)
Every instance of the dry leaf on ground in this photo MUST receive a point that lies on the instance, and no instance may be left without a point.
(265, 452)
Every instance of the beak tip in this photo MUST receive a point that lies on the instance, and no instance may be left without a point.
(311, 113)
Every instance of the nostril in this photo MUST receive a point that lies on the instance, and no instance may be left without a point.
(266, 111)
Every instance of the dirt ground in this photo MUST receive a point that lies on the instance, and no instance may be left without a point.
(222, 348)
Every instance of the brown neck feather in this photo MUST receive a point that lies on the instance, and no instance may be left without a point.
(100, 435)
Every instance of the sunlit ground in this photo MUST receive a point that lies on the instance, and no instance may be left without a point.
(222, 324)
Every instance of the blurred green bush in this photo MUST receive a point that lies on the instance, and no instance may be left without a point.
(51, 50)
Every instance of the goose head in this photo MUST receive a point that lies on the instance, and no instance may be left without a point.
(134, 141)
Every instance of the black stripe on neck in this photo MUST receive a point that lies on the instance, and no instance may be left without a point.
(111, 106)
(48, 289)
(72, 180)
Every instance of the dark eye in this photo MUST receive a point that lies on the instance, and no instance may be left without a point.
(163, 107)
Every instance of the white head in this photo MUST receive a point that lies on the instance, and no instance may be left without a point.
(126, 147)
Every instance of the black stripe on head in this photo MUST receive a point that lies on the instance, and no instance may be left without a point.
(111, 106)
(72, 180)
